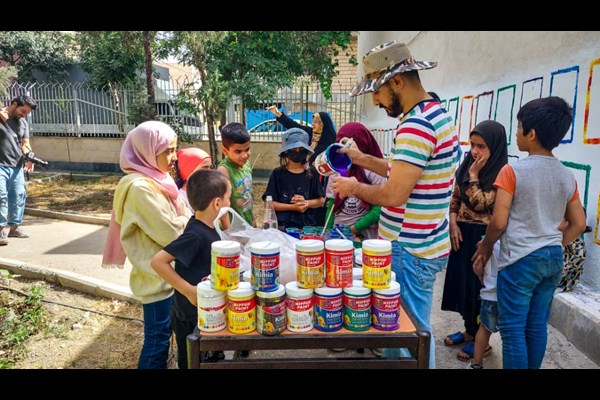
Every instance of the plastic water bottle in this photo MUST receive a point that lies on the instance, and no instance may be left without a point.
(270, 217)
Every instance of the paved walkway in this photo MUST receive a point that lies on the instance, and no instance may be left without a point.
(74, 250)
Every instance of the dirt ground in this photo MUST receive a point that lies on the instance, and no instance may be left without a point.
(81, 337)
(74, 338)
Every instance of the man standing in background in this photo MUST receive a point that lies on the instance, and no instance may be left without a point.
(14, 143)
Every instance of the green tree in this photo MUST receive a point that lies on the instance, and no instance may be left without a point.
(252, 65)
(47, 51)
(6, 74)
(114, 59)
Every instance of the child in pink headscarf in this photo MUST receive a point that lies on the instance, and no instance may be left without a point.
(147, 215)
(189, 160)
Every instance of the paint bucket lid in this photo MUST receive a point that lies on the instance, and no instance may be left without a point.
(339, 244)
(392, 290)
(377, 245)
(226, 247)
(280, 291)
(292, 289)
(205, 291)
(310, 245)
(357, 289)
(244, 289)
(328, 291)
(264, 248)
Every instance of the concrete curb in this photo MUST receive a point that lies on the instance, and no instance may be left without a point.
(84, 219)
(70, 280)
(577, 316)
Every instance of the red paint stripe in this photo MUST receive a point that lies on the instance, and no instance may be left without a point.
(396, 210)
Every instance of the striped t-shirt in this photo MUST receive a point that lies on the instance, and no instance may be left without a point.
(426, 138)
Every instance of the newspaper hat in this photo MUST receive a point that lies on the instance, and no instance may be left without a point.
(385, 61)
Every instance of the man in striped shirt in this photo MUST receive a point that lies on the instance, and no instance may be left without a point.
(420, 174)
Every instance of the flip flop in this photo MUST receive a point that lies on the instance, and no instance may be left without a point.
(468, 352)
(455, 339)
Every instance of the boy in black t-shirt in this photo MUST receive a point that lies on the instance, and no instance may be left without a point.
(208, 191)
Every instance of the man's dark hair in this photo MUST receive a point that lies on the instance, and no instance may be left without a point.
(24, 101)
(551, 118)
(203, 186)
(234, 133)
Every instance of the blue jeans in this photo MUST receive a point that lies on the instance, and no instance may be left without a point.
(525, 291)
(416, 277)
(157, 333)
(12, 196)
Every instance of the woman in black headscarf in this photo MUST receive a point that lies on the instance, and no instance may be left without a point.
(471, 207)
(320, 135)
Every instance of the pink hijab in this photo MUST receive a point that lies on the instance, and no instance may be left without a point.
(138, 154)
(188, 159)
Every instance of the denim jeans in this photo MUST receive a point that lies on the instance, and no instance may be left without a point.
(416, 277)
(525, 291)
(157, 334)
(12, 195)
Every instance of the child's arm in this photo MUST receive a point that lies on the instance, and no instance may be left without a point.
(575, 216)
(161, 263)
(495, 228)
(225, 221)
(370, 218)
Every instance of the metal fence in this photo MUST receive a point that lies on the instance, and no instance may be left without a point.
(299, 103)
(77, 109)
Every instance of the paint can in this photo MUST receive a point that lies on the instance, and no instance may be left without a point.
(225, 265)
(310, 262)
(241, 309)
(385, 308)
(330, 161)
(339, 258)
(264, 259)
(357, 307)
(211, 308)
(377, 263)
(299, 308)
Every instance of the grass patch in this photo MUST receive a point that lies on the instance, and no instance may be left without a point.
(19, 319)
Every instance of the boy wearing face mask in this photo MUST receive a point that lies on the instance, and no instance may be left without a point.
(294, 185)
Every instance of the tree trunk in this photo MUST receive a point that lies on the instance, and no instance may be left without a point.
(112, 88)
(149, 73)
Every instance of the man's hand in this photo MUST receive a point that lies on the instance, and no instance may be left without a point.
(3, 114)
(344, 186)
(29, 166)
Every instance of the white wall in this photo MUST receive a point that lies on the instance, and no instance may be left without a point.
(489, 73)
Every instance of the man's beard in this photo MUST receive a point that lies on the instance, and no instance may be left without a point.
(395, 108)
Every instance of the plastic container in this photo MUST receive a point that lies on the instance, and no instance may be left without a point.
(211, 308)
(299, 308)
(264, 259)
(270, 311)
(339, 259)
(328, 309)
(357, 307)
(241, 309)
(385, 308)
(377, 263)
(225, 265)
(310, 263)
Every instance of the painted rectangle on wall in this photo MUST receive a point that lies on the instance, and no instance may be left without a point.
(591, 119)
(453, 110)
(531, 89)
(483, 110)
(596, 237)
(465, 121)
(564, 83)
(582, 175)
(505, 104)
